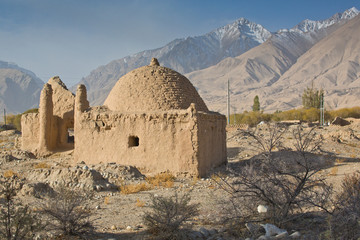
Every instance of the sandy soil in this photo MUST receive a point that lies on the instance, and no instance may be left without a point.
(119, 216)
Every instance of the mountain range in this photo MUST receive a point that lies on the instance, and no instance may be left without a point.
(275, 66)
(183, 55)
(19, 88)
(277, 73)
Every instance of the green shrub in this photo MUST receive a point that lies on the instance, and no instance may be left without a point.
(256, 105)
(345, 113)
(250, 118)
(311, 97)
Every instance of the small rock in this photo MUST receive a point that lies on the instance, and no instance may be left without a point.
(85, 167)
(213, 231)
(128, 228)
(113, 227)
(295, 235)
(204, 232)
(282, 235)
(340, 121)
(97, 207)
(195, 235)
(37, 237)
(272, 230)
(191, 236)
(253, 228)
(262, 209)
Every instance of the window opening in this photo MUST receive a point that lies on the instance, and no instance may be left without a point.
(133, 141)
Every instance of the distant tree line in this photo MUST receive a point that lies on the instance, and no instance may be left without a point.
(15, 120)
(307, 115)
(311, 100)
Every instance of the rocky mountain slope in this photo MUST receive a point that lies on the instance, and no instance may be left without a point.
(268, 70)
(182, 55)
(19, 88)
(333, 64)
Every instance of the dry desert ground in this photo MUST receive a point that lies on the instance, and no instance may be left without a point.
(117, 215)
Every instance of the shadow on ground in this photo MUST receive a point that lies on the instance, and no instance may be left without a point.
(318, 161)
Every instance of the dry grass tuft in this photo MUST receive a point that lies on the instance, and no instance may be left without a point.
(354, 145)
(139, 203)
(339, 160)
(194, 181)
(334, 171)
(217, 177)
(168, 184)
(353, 156)
(134, 188)
(165, 179)
(10, 173)
(41, 165)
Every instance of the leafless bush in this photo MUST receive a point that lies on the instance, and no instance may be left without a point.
(168, 214)
(345, 221)
(16, 220)
(287, 182)
(67, 212)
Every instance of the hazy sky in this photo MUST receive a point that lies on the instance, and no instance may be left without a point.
(70, 38)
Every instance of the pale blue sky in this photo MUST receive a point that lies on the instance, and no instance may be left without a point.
(70, 38)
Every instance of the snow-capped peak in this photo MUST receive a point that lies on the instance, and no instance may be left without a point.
(310, 25)
(350, 13)
(243, 26)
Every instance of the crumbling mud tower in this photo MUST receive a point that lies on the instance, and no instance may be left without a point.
(50, 130)
(153, 119)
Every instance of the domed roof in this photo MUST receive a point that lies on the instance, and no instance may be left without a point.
(153, 88)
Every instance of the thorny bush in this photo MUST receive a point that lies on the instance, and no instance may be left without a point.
(345, 220)
(17, 222)
(67, 211)
(168, 214)
(287, 182)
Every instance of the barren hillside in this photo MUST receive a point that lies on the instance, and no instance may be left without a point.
(281, 68)
(19, 90)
